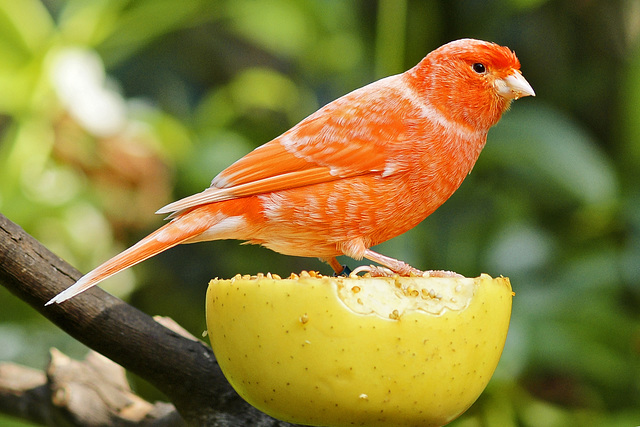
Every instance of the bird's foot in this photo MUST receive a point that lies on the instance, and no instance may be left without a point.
(442, 273)
(345, 272)
(378, 271)
(394, 266)
(373, 271)
(338, 269)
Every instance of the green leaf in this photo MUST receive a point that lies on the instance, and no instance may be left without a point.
(280, 26)
(25, 26)
(555, 153)
(145, 21)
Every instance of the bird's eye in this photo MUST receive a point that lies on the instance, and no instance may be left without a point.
(479, 68)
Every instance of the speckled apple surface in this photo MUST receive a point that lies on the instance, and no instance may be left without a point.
(359, 351)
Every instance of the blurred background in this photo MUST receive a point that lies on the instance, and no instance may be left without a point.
(110, 109)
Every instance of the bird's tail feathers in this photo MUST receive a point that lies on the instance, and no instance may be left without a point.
(164, 238)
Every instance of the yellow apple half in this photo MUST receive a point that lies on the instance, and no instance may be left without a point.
(344, 351)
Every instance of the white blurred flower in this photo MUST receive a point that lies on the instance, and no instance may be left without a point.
(80, 81)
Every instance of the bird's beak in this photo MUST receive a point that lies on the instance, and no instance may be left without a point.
(514, 86)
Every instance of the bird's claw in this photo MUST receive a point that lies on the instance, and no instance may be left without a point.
(373, 270)
(346, 272)
(442, 273)
(378, 271)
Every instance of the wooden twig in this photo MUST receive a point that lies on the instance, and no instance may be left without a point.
(24, 393)
(92, 393)
(183, 369)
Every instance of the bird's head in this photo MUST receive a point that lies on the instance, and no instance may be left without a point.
(471, 81)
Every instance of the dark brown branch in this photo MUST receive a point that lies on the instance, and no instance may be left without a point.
(183, 369)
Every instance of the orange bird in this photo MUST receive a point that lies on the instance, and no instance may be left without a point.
(361, 170)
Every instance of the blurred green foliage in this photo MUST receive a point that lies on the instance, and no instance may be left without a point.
(176, 91)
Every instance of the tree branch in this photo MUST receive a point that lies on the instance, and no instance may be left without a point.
(183, 369)
(94, 392)
(23, 392)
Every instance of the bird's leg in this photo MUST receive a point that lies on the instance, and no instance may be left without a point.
(339, 269)
(394, 266)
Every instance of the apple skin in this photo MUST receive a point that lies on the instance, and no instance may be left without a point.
(301, 349)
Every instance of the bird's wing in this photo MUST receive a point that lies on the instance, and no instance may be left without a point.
(346, 138)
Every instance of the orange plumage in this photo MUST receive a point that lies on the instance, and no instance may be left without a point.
(361, 170)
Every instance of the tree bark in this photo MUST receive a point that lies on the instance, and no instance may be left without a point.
(91, 393)
(183, 369)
